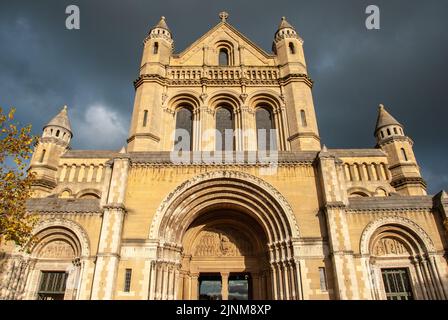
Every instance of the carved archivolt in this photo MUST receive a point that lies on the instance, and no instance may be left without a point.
(165, 212)
(397, 221)
(74, 227)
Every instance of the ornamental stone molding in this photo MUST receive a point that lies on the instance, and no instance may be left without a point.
(77, 229)
(370, 229)
(236, 175)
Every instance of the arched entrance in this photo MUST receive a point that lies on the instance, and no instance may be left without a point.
(400, 260)
(225, 257)
(51, 266)
(228, 227)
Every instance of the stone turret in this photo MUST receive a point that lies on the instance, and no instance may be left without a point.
(158, 48)
(288, 47)
(390, 137)
(55, 141)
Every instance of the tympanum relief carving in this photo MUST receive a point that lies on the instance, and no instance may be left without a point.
(389, 246)
(221, 243)
(57, 249)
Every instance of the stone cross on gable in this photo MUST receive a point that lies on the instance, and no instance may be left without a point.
(223, 15)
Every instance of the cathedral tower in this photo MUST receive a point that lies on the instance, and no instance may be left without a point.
(54, 142)
(145, 131)
(297, 88)
(390, 137)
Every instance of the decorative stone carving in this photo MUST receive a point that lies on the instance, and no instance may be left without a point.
(221, 243)
(396, 220)
(164, 97)
(203, 97)
(234, 175)
(389, 246)
(69, 224)
(57, 249)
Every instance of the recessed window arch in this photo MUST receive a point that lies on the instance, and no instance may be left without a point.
(303, 118)
(388, 131)
(42, 155)
(225, 126)
(266, 135)
(156, 48)
(224, 57)
(183, 140)
(57, 133)
(403, 153)
(145, 118)
(292, 49)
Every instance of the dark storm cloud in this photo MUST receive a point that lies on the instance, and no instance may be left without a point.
(403, 65)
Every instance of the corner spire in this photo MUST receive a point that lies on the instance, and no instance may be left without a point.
(284, 24)
(385, 119)
(162, 24)
(61, 120)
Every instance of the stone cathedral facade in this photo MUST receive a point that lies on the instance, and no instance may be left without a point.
(186, 210)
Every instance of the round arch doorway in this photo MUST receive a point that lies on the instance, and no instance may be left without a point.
(225, 257)
(235, 208)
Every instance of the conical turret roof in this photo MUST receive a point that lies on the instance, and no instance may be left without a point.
(385, 118)
(284, 24)
(162, 24)
(61, 120)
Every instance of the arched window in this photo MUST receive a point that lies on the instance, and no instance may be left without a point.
(266, 137)
(57, 133)
(395, 130)
(292, 50)
(382, 134)
(183, 140)
(223, 57)
(42, 156)
(224, 129)
(388, 132)
(156, 48)
(403, 152)
(145, 117)
(303, 118)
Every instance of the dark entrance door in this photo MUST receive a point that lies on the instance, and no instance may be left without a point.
(397, 284)
(210, 287)
(240, 287)
(52, 285)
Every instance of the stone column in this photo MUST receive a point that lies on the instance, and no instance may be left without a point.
(335, 200)
(159, 274)
(285, 128)
(88, 267)
(249, 130)
(421, 282)
(186, 284)
(194, 295)
(207, 137)
(109, 246)
(224, 285)
(63, 173)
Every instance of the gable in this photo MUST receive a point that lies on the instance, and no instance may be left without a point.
(223, 34)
